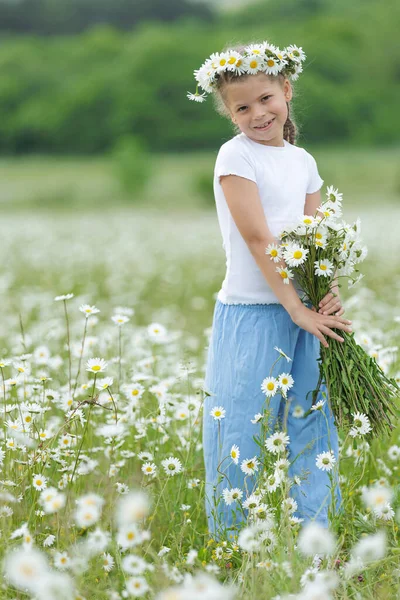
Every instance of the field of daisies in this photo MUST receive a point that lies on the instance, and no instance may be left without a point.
(105, 323)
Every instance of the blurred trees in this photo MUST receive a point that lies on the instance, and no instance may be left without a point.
(51, 17)
(81, 93)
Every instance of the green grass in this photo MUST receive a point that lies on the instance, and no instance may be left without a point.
(366, 176)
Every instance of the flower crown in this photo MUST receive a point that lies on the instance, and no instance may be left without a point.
(265, 58)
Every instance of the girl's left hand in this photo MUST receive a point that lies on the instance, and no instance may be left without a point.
(331, 303)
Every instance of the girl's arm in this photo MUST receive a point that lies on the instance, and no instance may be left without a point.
(247, 211)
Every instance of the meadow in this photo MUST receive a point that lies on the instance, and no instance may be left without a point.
(102, 477)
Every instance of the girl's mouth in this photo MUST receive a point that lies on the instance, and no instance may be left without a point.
(266, 125)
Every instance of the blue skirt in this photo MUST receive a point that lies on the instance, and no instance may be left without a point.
(240, 356)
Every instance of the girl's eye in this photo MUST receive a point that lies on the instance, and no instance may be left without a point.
(264, 97)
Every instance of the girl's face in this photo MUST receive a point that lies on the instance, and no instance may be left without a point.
(254, 101)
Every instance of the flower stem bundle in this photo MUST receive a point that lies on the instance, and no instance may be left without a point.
(318, 250)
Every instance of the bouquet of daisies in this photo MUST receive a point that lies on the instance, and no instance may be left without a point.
(318, 250)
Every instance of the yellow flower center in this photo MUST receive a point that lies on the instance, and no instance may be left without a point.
(322, 267)
(297, 254)
(285, 381)
(250, 464)
(284, 274)
(96, 368)
(135, 392)
(239, 62)
(253, 64)
(270, 385)
(307, 221)
(274, 252)
(270, 62)
(232, 60)
(39, 482)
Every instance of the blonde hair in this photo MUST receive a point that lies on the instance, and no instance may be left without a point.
(224, 78)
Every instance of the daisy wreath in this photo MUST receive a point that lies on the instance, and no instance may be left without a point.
(264, 57)
(318, 250)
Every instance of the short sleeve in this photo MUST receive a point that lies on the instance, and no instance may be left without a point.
(314, 180)
(234, 160)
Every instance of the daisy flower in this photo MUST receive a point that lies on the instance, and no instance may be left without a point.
(281, 352)
(253, 63)
(137, 586)
(96, 365)
(218, 413)
(108, 562)
(273, 482)
(235, 454)
(318, 405)
(394, 452)
(156, 332)
(120, 319)
(272, 65)
(251, 502)
(88, 310)
(274, 251)
(250, 465)
(296, 52)
(196, 97)
(270, 386)
(325, 461)
(295, 255)
(361, 425)
(103, 384)
(149, 468)
(61, 560)
(384, 512)
(64, 297)
(298, 411)
(285, 273)
(172, 465)
(39, 482)
(286, 381)
(277, 442)
(323, 267)
(232, 59)
(257, 49)
(316, 539)
(257, 418)
(231, 496)
(333, 195)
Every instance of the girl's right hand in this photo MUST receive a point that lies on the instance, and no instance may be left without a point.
(319, 324)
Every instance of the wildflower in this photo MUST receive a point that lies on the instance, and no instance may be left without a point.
(269, 386)
(376, 496)
(323, 267)
(361, 425)
(49, 541)
(257, 418)
(251, 502)
(156, 332)
(295, 255)
(135, 565)
(122, 488)
(63, 297)
(218, 413)
(316, 539)
(325, 460)
(172, 465)
(277, 442)
(197, 97)
(149, 468)
(96, 365)
(274, 252)
(88, 310)
(120, 319)
(319, 405)
(105, 383)
(298, 411)
(132, 507)
(232, 495)
(281, 352)
(384, 512)
(235, 454)
(39, 482)
(394, 452)
(129, 536)
(108, 562)
(25, 568)
(370, 548)
(249, 465)
(61, 560)
(285, 382)
(285, 273)
(86, 516)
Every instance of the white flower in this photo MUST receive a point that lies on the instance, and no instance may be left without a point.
(323, 267)
(64, 297)
(88, 310)
(196, 97)
(253, 63)
(319, 405)
(251, 502)
(39, 482)
(132, 507)
(285, 273)
(249, 465)
(325, 460)
(361, 425)
(156, 332)
(149, 468)
(274, 251)
(298, 411)
(273, 481)
(129, 536)
(257, 418)
(218, 413)
(270, 386)
(86, 516)
(376, 496)
(295, 255)
(277, 442)
(108, 562)
(96, 365)
(172, 465)
(285, 382)
(49, 541)
(25, 568)
(235, 454)
(281, 352)
(384, 512)
(394, 452)
(370, 548)
(137, 586)
(103, 384)
(316, 539)
(250, 538)
(61, 560)
(231, 495)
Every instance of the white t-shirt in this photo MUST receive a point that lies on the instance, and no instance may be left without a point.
(284, 175)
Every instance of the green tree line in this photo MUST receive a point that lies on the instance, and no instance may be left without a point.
(81, 93)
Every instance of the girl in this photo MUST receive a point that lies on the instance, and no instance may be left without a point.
(262, 183)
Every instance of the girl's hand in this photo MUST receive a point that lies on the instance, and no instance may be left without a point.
(331, 303)
(319, 324)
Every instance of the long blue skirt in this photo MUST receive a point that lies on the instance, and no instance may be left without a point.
(240, 355)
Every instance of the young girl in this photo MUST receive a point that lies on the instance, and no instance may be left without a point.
(262, 183)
